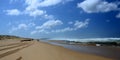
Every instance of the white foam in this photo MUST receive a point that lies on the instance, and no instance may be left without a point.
(90, 39)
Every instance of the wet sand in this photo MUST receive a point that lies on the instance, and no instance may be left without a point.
(43, 51)
(105, 51)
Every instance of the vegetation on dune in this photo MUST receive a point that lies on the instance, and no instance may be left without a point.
(4, 37)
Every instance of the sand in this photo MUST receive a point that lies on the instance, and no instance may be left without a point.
(43, 51)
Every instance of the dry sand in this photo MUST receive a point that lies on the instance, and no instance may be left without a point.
(43, 51)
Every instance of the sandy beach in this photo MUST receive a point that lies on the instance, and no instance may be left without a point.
(34, 50)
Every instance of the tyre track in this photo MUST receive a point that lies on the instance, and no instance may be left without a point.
(18, 48)
(12, 47)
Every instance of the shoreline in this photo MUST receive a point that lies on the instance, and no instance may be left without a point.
(45, 51)
(104, 51)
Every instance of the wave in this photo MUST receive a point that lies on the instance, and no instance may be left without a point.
(91, 39)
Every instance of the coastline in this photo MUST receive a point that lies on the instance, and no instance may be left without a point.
(45, 51)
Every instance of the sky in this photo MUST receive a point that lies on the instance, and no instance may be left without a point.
(72, 19)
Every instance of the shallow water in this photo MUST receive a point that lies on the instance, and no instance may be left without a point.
(110, 52)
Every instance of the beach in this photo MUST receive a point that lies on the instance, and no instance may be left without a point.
(34, 50)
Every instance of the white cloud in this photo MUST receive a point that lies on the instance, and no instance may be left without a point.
(33, 32)
(50, 17)
(35, 12)
(49, 24)
(13, 12)
(47, 3)
(21, 26)
(46, 27)
(44, 3)
(33, 6)
(79, 24)
(94, 6)
(118, 15)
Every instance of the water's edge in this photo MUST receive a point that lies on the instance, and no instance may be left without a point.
(108, 52)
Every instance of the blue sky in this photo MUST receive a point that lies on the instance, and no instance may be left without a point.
(60, 18)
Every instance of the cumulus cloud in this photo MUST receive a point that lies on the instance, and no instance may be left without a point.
(35, 13)
(77, 25)
(33, 6)
(49, 24)
(49, 17)
(94, 6)
(46, 3)
(21, 26)
(33, 32)
(46, 27)
(13, 12)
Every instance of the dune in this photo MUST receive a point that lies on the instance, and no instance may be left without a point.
(43, 51)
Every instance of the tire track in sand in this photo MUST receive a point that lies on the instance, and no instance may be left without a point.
(15, 50)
